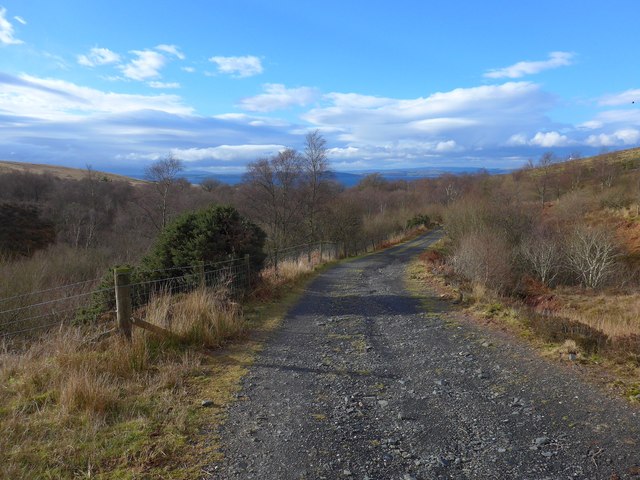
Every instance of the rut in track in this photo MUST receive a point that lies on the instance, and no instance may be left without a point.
(364, 380)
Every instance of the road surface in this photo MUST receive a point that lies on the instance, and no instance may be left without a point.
(365, 381)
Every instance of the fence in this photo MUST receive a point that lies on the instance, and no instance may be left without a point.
(29, 314)
(99, 302)
(312, 253)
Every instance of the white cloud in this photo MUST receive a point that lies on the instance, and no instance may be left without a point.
(147, 65)
(277, 97)
(518, 139)
(470, 117)
(540, 139)
(156, 84)
(7, 35)
(172, 50)
(627, 136)
(227, 153)
(550, 140)
(241, 67)
(98, 56)
(623, 98)
(188, 69)
(20, 20)
(50, 99)
(520, 69)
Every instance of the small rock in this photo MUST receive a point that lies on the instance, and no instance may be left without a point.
(502, 450)
(383, 403)
(547, 454)
(541, 441)
(207, 403)
(486, 344)
(347, 473)
(408, 477)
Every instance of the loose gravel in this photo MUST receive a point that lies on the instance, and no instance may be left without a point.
(365, 381)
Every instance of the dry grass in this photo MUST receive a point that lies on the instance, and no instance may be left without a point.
(61, 172)
(616, 315)
(70, 408)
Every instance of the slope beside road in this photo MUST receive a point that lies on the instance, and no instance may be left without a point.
(363, 380)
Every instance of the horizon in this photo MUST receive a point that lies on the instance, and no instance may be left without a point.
(407, 87)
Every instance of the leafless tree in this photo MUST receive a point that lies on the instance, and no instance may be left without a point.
(541, 175)
(543, 257)
(272, 194)
(591, 254)
(163, 174)
(316, 176)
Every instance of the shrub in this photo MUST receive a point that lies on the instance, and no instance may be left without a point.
(418, 221)
(211, 235)
(484, 258)
(22, 230)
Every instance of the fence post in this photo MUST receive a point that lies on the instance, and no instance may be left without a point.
(247, 264)
(122, 281)
(320, 251)
(202, 275)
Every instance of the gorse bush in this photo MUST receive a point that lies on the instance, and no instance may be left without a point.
(211, 235)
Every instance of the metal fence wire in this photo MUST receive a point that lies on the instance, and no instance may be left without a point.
(90, 302)
(45, 309)
(311, 253)
(29, 314)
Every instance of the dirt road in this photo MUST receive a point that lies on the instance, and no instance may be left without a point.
(365, 381)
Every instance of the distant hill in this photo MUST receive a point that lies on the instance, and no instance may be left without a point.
(349, 179)
(62, 172)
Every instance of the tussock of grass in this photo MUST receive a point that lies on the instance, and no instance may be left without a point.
(115, 409)
(69, 405)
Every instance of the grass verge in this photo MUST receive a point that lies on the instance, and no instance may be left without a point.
(72, 408)
(573, 340)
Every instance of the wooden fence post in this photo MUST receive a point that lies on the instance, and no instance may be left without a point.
(122, 281)
(202, 274)
(247, 264)
(320, 251)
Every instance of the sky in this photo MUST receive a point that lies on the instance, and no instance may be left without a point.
(404, 84)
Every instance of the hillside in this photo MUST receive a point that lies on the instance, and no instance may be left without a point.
(62, 172)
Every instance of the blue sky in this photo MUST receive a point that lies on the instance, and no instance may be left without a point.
(390, 84)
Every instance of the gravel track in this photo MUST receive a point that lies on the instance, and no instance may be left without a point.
(365, 381)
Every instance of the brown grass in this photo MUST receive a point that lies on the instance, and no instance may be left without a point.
(615, 314)
(61, 172)
(73, 408)
(68, 405)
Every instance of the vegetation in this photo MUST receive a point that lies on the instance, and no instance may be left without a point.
(210, 235)
(553, 248)
(552, 241)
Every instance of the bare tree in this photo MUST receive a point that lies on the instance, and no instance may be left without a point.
(591, 255)
(543, 257)
(316, 177)
(541, 175)
(163, 174)
(272, 194)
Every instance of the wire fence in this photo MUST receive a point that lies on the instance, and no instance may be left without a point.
(93, 302)
(28, 315)
(310, 253)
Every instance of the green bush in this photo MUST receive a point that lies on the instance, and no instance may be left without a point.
(418, 220)
(207, 236)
